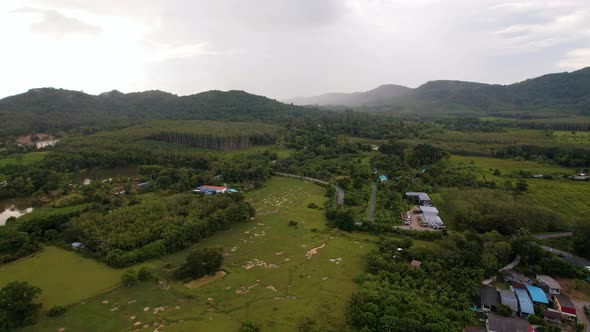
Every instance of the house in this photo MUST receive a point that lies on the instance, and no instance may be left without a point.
(209, 190)
(514, 276)
(552, 315)
(496, 323)
(77, 245)
(382, 178)
(420, 198)
(537, 294)
(416, 263)
(552, 285)
(565, 306)
(507, 297)
(524, 302)
(429, 216)
(489, 298)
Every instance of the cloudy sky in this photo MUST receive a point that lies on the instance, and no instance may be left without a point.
(284, 48)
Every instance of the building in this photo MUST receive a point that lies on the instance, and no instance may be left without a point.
(415, 263)
(507, 297)
(429, 216)
(209, 190)
(496, 323)
(552, 316)
(382, 178)
(552, 285)
(537, 294)
(514, 276)
(524, 302)
(488, 297)
(565, 306)
(77, 245)
(419, 198)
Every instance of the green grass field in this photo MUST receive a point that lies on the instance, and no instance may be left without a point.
(277, 293)
(569, 198)
(65, 277)
(22, 159)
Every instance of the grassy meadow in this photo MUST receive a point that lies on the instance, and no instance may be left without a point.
(269, 280)
(22, 159)
(76, 279)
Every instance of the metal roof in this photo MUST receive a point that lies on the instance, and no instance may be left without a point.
(564, 301)
(488, 295)
(508, 298)
(432, 220)
(524, 301)
(429, 209)
(420, 195)
(537, 294)
(507, 324)
(550, 282)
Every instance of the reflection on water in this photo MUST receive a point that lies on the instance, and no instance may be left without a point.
(13, 208)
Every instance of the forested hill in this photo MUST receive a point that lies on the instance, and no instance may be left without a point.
(553, 93)
(48, 109)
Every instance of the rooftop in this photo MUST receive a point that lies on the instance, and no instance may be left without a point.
(550, 282)
(212, 187)
(508, 324)
(488, 295)
(420, 195)
(526, 305)
(429, 209)
(507, 297)
(415, 263)
(537, 294)
(564, 301)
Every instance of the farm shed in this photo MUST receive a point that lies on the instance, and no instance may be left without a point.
(524, 302)
(507, 297)
(419, 197)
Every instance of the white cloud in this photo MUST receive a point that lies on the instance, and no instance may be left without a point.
(576, 59)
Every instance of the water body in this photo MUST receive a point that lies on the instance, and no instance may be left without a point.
(13, 208)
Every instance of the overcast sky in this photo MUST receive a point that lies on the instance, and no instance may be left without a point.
(284, 48)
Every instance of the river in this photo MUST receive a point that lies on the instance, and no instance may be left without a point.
(13, 208)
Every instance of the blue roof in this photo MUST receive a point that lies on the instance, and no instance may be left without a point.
(537, 294)
(524, 301)
(382, 177)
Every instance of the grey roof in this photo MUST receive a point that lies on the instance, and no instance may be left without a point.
(429, 209)
(517, 276)
(422, 196)
(488, 295)
(564, 301)
(508, 298)
(432, 220)
(550, 282)
(507, 324)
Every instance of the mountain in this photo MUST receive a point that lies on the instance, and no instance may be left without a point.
(553, 93)
(49, 109)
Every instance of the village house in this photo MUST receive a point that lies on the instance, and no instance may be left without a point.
(552, 285)
(524, 302)
(209, 190)
(537, 295)
(489, 298)
(508, 298)
(565, 306)
(419, 198)
(496, 323)
(429, 216)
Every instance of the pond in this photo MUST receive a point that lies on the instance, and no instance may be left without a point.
(13, 208)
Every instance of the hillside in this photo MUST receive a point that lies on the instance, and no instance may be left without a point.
(549, 94)
(48, 109)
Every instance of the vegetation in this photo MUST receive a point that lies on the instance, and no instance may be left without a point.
(200, 263)
(17, 306)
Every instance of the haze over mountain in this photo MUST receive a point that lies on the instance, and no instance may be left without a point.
(560, 92)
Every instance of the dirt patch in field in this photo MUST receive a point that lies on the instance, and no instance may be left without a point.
(272, 288)
(205, 280)
(256, 262)
(568, 286)
(246, 290)
(314, 251)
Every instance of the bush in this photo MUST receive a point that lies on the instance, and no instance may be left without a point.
(57, 310)
(200, 263)
(249, 326)
(312, 206)
(293, 223)
(145, 273)
(129, 278)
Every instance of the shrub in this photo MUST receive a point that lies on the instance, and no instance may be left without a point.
(129, 277)
(292, 223)
(312, 206)
(145, 273)
(249, 326)
(57, 310)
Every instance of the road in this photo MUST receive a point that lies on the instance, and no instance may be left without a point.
(582, 318)
(566, 256)
(339, 191)
(372, 202)
(551, 235)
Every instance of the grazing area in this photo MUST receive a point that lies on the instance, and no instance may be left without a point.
(271, 279)
(64, 277)
(22, 159)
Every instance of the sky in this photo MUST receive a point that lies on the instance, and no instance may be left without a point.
(284, 48)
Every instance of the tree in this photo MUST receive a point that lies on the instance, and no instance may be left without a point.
(504, 310)
(129, 277)
(17, 307)
(521, 186)
(145, 273)
(249, 326)
(582, 238)
(200, 263)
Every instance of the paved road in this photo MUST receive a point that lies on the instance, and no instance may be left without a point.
(372, 202)
(582, 318)
(552, 235)
(339, 191)
(566, 256)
